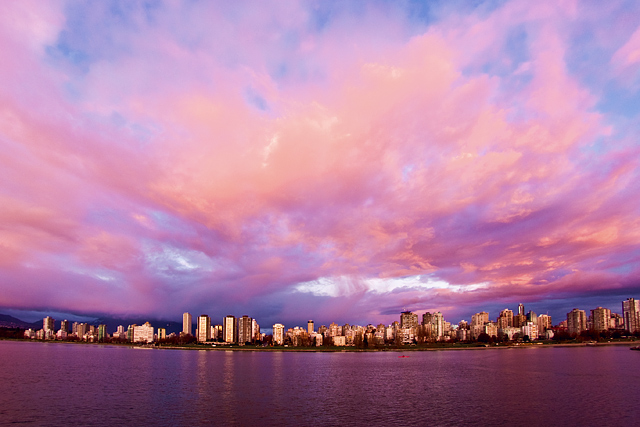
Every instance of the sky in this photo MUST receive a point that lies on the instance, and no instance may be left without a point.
(329, 160)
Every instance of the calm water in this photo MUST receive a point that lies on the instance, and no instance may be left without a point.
(58, 384)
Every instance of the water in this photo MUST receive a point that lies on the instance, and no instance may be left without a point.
(90, 385)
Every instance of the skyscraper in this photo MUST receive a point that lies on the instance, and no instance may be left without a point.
(244, 330)
(408, 320)
(426, 319)
(47, 323)
(102, 333)
(521, 309)
(505, 320)
(437, 325)
(544, 323)
(64, 325)
(310, 328)
(229, 330)
(187, 323)
(204, 328)
(576, 321)
(631, 314)
(600, 319)
(278, 334)
(255, 330)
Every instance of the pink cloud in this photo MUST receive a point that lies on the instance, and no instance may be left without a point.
(179, 161)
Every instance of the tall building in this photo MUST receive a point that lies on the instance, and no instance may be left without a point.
(143, 333)
(216, 335)
(130, 332)
(255, 330)
(48, 323)
(478, 321)
(64, 325)
(102, 333)
(519, 320)
(408, 320)
(521, 309)
(310, 327)
(576, 321)
(479, 318)
(82, 329)
(244, 330)
(530, 329)
(600, 319)
(229, 330)
(278, 334)
(162, 334)
(437, 325)
(505, 320)
(426, 319)
(631, 315)
(204, 328)
(187, 323)
(544, 323)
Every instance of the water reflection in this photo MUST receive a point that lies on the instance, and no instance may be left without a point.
(568, 386)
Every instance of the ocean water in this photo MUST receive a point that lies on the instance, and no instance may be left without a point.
(94, 385)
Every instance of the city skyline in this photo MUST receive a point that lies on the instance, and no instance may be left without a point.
(335, 161)
(233, 329)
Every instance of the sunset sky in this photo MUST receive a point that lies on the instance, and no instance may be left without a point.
(339, 161)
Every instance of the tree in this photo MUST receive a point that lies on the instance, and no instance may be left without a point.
(484, 338)
(398, 340)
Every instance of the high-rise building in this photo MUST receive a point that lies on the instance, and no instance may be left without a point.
(130, 332)
(426, 319)
(310, 327)
(530, 329)
(64, 325)
(102, 333)
(408, 320)
(217, 335)
(479, 318)
(162, 334)
(505, 320)
(278, 334)
(544, 323)
(478, 321)
(244, 330)
(631, 315)
(187, 323)
(48, 323)
(519, 320)
(600, 319)
(521, 309)
(229, 330)
(437, 325)
(120, 332)
(255, 330)
(204, 328)
(82, 329)
(576, 321)
(143, 333)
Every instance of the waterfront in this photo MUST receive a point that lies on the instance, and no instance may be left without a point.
(57, 384)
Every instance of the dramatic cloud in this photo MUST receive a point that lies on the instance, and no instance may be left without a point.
(337, 161)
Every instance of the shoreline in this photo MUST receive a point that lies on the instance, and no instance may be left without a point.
(341, 349)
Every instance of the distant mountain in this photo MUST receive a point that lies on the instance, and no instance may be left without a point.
(7, 321)
(113, 323)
